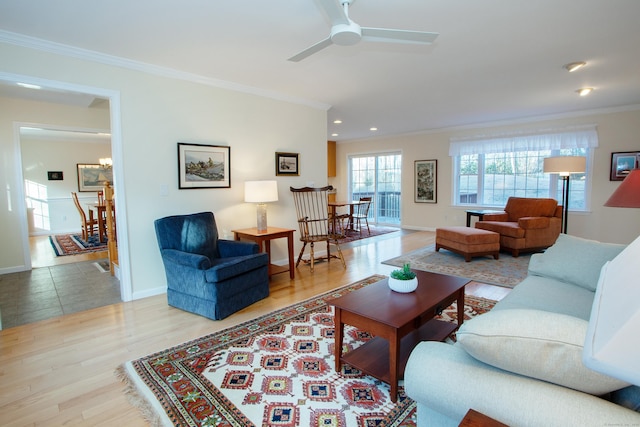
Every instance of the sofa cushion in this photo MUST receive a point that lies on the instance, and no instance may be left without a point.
(545, 294)
(574, 260)
(538, 344)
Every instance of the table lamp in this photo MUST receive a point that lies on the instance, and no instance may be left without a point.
(261, 192)
(565, 166)
(615, 316)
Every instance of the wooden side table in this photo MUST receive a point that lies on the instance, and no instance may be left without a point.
(266, 237)
(476, 419)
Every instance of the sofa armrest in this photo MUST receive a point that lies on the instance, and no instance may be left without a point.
(187, 259)
(496, 217)
(448, 381)
(233, 248)
(534, 222)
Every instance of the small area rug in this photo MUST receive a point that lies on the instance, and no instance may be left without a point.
(506, 271)
(276, 370)
(72, 244)
(353, 236)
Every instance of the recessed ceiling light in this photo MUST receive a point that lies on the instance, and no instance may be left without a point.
(29, 86)
(584, 91)
(373, 129)
(334, 134)
(574, 66)
(337, 121)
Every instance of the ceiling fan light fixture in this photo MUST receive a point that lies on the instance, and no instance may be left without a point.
(584, 91)
(574, 66)
(346, 34)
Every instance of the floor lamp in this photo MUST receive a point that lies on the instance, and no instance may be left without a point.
(615, 315)
(565, 166)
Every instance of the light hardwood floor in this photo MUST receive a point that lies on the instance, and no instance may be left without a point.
(61, 371)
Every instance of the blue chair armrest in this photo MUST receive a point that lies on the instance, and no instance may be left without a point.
(233, 248)
(226, 268)
(187, 259)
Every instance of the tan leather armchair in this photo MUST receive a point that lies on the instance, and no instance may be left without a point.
(527, 224)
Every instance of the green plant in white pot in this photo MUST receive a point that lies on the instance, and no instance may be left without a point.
(403, 280)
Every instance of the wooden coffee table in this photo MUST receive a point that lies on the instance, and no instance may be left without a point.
(398, 322)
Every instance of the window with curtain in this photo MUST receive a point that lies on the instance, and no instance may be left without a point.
(489, 170)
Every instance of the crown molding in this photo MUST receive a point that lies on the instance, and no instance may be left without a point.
(116, 61)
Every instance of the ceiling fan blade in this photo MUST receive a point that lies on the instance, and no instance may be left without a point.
(398, 36)
(333, 11)
(311, 50)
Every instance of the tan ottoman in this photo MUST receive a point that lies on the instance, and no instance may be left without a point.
(468, 242)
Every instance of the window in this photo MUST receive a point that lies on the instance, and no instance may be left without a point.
(377, 176)
(489, 171)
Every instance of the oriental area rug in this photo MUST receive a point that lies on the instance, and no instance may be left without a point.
(506, 271)
(275, 370)
(72, 244)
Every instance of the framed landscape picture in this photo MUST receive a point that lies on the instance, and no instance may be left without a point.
(426, 176)
(92, 177)
(203, 166)
(623, 163)
(287, 164)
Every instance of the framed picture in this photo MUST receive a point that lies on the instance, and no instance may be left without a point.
(287, 164)
(203, 166)
(55, 176)
(622, 163)
(426, 180)
(92, 177)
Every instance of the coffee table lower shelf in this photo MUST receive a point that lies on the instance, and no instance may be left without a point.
(370, 359)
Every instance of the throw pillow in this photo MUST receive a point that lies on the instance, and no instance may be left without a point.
(574, 260)
(538, 344)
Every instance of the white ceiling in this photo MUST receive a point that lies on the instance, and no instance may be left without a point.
(494, 61)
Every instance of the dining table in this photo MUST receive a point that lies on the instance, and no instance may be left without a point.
(333, 207)
(101, 217)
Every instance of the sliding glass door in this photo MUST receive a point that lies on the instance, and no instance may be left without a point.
(378, 176)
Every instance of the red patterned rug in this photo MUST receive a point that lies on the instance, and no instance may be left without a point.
(72, 244)
(376, 230)
(276, 370)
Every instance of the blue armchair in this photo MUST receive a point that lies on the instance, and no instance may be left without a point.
(205, 275)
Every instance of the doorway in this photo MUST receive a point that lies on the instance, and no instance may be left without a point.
(378, 176)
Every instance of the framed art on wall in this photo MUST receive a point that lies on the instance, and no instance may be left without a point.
(287, 164)
(203, 166)
(426, 176)
(622, 163)
(92, 177)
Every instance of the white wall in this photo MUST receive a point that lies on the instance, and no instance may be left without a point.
(155, 113)
(617, 131)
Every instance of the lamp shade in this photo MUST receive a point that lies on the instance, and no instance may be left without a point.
(610, 346)
(565, 165)
(627, 195)
(260, 191)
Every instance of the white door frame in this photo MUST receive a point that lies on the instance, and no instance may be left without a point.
(126, 290)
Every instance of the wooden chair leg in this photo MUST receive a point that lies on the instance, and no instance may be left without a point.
(301, 253)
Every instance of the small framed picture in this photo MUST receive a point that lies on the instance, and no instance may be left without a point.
(93, 177)
(203, 166)
(287, 164)
(426, 180)
(55, 176)
(623, 163)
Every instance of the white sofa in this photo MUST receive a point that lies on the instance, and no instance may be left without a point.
(521, 363)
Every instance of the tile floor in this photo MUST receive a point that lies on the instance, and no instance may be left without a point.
(47, 292)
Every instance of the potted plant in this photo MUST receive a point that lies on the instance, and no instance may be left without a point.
(403, 280)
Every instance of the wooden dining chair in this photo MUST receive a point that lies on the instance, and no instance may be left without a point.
(361, 212)
(90, 225)
(312, 212)
(112, 237)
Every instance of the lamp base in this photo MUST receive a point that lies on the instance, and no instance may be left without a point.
(261, 216)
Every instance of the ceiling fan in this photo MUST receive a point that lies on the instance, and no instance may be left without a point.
(345, 32)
